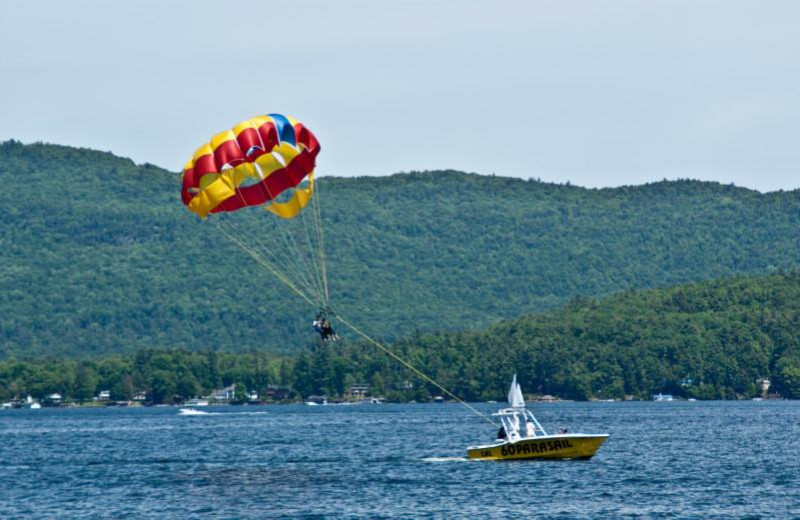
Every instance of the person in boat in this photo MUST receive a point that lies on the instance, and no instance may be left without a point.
(530, 429)
(562, 431)
(501, 434)
(513, 431)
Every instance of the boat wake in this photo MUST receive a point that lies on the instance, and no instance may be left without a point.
(445, 459)
(192, 411)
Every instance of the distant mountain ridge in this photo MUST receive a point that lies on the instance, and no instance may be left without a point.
(99, 255)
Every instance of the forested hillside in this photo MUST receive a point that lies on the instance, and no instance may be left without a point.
(708, 340)
(99, 256)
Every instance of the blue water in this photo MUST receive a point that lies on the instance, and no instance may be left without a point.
(674, 460)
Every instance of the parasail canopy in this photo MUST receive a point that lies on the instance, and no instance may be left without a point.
(251, 165)
(266, 162)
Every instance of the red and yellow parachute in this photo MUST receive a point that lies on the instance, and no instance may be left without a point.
(265, 162)
(250, 165)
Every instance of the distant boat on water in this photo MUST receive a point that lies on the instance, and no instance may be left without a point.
(662, 397)
(28, 403)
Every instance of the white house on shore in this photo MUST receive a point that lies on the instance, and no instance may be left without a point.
(224, 394)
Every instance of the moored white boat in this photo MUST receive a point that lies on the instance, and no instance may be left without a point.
(662, 397)
(531, 441)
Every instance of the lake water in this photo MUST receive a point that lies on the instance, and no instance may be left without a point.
(675, 460)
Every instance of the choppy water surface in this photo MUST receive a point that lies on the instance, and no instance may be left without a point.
(677, 460)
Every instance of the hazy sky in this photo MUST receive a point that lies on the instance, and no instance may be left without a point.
(598, 93)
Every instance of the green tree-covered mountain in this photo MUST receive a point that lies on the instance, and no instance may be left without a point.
(99, 256)
(715, 339)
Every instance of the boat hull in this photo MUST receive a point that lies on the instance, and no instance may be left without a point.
(568, 446)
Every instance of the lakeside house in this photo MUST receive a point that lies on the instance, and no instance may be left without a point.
(358, 391)
(277, 393)
(404, 385)
(224, 394)
(54, 399)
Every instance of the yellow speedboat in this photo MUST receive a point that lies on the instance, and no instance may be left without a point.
(522, 437)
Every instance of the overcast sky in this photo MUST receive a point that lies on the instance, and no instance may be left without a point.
(598, 93)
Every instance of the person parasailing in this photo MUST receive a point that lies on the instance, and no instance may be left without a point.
(327, 330)
(318, 326)
(323, 327)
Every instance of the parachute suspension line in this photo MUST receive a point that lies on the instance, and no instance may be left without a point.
(285, 267)
(315, 261)
(274, 253)
(409, 366)
(285, 257)
(267, 263)
(258, 258)
(303, 263)
(291, 243)
(282, 258)
(318, 216)
(286, 262)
